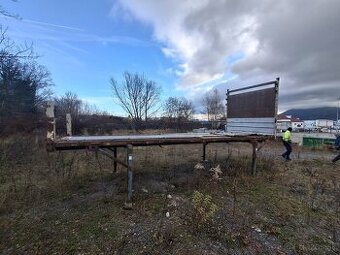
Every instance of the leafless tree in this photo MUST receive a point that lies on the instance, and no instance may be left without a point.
(186, 108)
(171, 108)
(91, 109)
(24, 84)
(9, 49)
(151, 99)
(136, 95)
(213, 107)
(178, 110)
(69, 103)
(82, 113)
(4, 12)
(38, 79)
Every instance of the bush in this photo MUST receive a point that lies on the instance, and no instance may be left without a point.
(205, 208)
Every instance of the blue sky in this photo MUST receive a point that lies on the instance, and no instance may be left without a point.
(186, 46)
(83, 46)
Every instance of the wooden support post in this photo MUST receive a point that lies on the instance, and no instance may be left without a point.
(253, 163)
(129, 154)
(115, 156)
(204, 151)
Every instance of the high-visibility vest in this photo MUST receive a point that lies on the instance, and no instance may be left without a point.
(287, 136)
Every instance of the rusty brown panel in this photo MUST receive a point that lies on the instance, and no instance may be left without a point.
(254, 104)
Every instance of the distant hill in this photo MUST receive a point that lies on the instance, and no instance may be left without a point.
(314, 113)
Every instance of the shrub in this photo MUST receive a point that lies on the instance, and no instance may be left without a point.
(205, 208)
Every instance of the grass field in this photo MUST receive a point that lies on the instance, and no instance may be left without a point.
(72, 202)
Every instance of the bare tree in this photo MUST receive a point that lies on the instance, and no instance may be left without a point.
(24, 84)
(178, 110)
(9, 49)
(186, 108)
(213, 107)
(4, 12)
(82, 113)
(69, 103)
(37, 80)
(151, 98)
(91, 109)
(136, 95)
(72, 104)
(171, 108)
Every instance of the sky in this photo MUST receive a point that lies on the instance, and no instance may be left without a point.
(187, 46)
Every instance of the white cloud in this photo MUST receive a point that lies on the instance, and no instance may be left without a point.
(198, 34)
(297, 40)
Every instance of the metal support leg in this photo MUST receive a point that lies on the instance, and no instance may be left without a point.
(108, 154)
(129, 154)
(115, 156)
(204, 151)
(253, 163)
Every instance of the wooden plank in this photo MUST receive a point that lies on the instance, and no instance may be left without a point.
(83, 144)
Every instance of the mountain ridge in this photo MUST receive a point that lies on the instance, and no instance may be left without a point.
(314, 113)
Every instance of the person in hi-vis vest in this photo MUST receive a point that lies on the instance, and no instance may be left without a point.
(287, 142)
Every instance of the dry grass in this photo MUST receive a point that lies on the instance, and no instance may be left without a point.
(71, 202)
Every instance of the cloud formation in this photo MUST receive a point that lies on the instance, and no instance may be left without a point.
(65, 37)
(296, 40)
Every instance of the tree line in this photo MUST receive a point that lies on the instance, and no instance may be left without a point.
(24, 83)
(25, 87)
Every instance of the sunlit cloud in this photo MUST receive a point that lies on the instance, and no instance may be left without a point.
(296, 40)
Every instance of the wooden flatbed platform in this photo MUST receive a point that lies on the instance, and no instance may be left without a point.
(107, 145)
(85, 142)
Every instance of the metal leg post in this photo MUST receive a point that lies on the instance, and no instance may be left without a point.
(128, 204)
(115, 156)
(253, 163)
(204, 151)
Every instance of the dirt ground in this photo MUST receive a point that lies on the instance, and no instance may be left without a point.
(72, 202)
